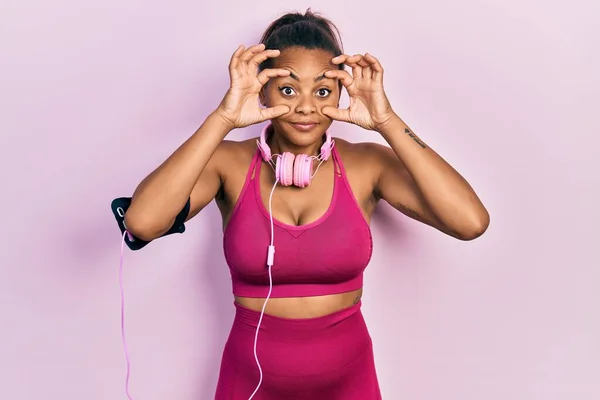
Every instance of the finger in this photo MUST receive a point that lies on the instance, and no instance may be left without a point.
(251, 51)
(374, 62)
(336, 113)
(354, 63)
(362, 62)
(266, 74)
(341, 59)
(342, 75)
(235, 58)
(365, 66)
(375, 66)
(367, 72)
(273, 112)
(263, 55)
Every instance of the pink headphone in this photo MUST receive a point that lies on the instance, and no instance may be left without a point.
(290, 169)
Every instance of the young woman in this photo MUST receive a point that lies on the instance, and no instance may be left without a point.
(296, 205)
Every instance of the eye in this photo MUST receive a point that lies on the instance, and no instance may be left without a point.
(323, 92)
(286, 90)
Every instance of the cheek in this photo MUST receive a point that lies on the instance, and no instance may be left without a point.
(331, 100)
(273, 97)
(333, 97)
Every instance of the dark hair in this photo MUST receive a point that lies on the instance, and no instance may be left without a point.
(309, 30)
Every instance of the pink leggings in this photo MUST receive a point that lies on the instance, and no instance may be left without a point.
(328, 357)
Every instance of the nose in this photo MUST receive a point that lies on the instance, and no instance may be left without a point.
(306, 105)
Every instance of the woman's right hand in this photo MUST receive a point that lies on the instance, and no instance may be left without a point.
(240, 106)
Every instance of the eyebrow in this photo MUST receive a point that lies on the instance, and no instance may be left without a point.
(317, 79)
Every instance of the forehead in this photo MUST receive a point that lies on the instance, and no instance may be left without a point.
(305, 62)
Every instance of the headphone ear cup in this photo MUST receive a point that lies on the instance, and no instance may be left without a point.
(302, 170)
(285, 169)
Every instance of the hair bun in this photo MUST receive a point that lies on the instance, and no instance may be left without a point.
(290, 19)
(309, 30)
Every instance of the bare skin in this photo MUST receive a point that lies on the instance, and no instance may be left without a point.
(295, 206)
(291, 205)
(298, 88)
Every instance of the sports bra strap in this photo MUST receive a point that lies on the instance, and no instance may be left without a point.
(339, 167)
(251, 170)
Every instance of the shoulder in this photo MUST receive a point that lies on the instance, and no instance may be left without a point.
(232, 156)
(229, 147)
(370, 157)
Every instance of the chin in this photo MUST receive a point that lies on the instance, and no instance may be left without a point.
(299, 134)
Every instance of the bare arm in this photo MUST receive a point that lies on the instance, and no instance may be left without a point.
(193, 170)
(418, 182)
(412, 177)
(162, 195)
(396, 187)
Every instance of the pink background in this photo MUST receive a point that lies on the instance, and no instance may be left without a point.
(95, 94)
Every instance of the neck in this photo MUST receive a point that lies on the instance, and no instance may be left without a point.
(279, 145)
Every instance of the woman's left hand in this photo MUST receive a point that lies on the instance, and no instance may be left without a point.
(369, 106)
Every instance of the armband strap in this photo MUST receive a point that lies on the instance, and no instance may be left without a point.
(119, 207)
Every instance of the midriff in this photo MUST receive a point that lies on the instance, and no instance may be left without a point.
(302, 307)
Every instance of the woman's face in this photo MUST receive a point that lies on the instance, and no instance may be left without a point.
(306, 91)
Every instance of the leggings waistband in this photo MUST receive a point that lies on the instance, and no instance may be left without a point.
(251, 317)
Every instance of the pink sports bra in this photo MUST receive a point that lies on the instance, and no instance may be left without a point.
(326, 256)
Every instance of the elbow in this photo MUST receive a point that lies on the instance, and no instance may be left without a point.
(477, 228)
(141, 227)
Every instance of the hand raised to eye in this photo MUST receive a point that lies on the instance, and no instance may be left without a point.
(240, 105)
(369, 106)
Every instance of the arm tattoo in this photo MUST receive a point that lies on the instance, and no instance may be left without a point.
(408, 211)
(415, 138)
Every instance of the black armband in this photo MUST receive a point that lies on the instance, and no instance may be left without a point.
(119, 207)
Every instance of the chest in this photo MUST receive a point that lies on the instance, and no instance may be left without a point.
(296, 206)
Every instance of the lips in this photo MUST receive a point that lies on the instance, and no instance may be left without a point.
(304, 125)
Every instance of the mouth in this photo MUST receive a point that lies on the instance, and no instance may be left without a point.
(304, 126)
